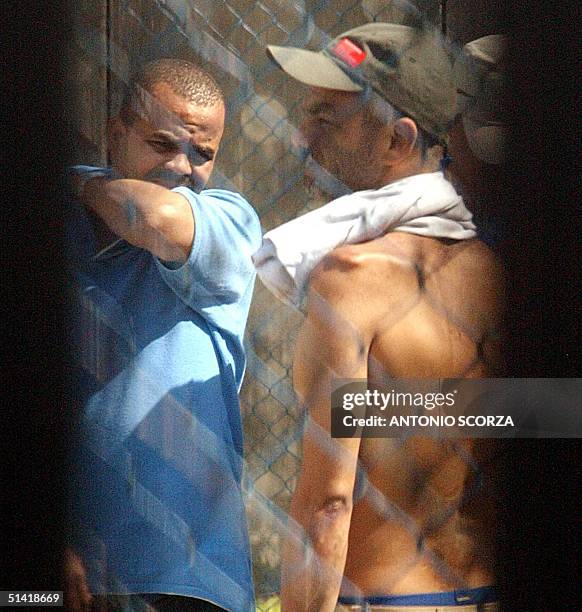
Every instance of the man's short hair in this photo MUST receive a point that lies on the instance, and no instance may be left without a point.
(183, 77)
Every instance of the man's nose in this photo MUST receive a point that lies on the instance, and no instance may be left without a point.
(180, 164)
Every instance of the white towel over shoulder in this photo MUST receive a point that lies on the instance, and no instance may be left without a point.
(423, 204)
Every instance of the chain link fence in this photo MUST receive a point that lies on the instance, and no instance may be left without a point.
(256, 159)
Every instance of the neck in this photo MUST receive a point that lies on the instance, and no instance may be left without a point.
(404, 172)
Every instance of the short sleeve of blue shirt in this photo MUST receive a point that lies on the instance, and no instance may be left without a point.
(217, 279)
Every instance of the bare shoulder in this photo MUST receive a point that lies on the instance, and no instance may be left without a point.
(358, 271)
(476, 255)
(364, 281)
(466, 276)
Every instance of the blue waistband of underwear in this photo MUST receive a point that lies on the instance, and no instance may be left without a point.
(461, 597)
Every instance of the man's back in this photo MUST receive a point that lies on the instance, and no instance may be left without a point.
(436, 307)
(422, 308)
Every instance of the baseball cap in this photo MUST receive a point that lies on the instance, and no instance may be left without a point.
(409, 67)
(479, 79)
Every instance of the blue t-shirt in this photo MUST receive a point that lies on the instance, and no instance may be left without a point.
(157, 485)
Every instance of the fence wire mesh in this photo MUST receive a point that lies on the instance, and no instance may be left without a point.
(257, 158)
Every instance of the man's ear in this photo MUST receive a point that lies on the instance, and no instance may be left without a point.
(404, 136)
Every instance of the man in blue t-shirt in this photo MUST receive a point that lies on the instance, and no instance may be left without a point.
(164, 281)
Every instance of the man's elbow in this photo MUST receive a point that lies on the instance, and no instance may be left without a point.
(330, 525)
(162, 218)
(166, 232)
(336, 505)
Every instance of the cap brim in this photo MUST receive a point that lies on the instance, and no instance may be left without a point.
(312, 68)
(465, 79)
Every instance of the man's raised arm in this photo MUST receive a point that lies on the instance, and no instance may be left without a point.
(144, 214)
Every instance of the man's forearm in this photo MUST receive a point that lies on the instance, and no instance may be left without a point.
(314, 556)
(146, 215)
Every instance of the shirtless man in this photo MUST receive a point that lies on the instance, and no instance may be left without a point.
(385, 524)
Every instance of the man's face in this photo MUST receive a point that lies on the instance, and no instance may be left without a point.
(342, 136)
(171, 142)
(466, 172)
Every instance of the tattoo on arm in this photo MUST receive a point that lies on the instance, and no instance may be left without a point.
(130, 211)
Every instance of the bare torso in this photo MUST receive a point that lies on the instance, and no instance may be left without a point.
(424, 519)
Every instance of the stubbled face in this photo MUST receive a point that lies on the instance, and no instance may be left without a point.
(342, 136)
(173, 142)
(465, 170)
(477, 181)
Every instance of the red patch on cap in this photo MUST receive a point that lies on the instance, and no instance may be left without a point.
(349, 52)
